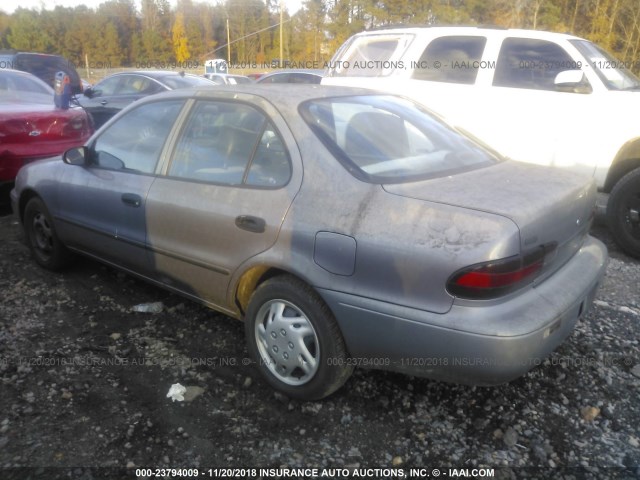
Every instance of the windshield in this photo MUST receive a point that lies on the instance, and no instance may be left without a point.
(611, 71)
(387, 139)
(370, 56)
(179, 81)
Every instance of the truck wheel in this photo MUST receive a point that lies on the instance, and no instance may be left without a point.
(295, 340)
(623, 213)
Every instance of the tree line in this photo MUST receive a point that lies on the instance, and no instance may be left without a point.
(117, 33)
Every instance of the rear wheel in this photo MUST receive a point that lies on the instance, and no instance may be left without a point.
(295, 339)
(623, 213)
(46, 248)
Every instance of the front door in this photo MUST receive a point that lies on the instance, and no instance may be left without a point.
(103, 206)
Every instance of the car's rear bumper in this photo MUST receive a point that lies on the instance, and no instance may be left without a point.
(477, 343)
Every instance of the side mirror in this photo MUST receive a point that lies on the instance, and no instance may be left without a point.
(572, 81)
(76, 156)
(88, 92)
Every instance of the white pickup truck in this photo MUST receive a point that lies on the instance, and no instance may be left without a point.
(539, 97)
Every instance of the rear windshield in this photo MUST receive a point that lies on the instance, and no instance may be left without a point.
(45, 68)
(23, 88)
(387, 139)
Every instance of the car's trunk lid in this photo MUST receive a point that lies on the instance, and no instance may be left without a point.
(31, 123)
(551, 207)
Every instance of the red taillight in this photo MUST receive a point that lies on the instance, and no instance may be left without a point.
(74, 127)
(499, 277)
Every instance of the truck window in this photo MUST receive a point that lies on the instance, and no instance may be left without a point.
(530, 63)
(370, 56)
(453, 59)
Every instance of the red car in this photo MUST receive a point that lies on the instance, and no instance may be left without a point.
(31, 127)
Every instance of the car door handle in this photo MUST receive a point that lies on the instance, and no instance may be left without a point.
(131, 199)
(250, 223)
(103, 102)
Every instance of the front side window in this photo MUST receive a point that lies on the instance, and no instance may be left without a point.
(107, 87)
(135, 141)
(454, 59)
(530, 63)
(385, 139)
(613, 72)
(231, 144)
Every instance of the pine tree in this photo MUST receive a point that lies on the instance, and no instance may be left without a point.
(180, 41)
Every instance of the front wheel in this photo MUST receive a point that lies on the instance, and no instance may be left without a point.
(46, 248)
(295, 339)
(623, 213)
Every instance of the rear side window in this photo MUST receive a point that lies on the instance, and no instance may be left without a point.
(530, 63)
(230, 144)
(138, 85)
(385, 139)
(184, 81)
(371, 56)
(304, 78)
(279, 78)
(454, 59)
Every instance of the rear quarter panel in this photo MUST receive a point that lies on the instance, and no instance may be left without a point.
(406, 249)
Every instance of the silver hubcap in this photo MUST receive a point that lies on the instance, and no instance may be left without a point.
(42, 234)
(287, 342)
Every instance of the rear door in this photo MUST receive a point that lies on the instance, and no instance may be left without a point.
(223, 199)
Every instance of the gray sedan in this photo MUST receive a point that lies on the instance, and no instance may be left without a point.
(345, 227)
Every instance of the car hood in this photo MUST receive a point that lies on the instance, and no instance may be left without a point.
(550, 206)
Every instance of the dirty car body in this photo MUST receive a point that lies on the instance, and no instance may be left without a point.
(346, 227)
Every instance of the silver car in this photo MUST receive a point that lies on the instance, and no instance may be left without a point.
(345, 227)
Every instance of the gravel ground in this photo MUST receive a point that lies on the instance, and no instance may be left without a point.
(84, 383)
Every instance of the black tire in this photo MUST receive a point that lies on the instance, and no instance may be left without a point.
(46, 248)
(623, 213)
(295, 340)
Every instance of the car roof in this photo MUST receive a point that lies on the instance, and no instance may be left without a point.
(278, 94)
(10, 52)
(310, 71)
(496, 32)
(154, 73)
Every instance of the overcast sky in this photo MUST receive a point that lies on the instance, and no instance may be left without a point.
(10, 5)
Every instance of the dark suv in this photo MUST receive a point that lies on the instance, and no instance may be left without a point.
(41, 65)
